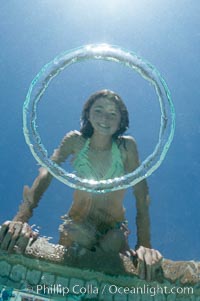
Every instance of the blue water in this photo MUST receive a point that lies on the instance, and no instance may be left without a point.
(165, 33)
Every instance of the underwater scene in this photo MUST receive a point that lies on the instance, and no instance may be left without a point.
(99, 150)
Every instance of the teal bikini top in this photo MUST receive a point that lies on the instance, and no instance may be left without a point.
(84, 168)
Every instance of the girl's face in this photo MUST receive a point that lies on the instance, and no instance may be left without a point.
(104, 116)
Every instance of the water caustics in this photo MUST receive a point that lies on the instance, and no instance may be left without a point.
(107, 53)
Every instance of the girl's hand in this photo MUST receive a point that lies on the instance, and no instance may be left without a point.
(149, 260)
(15, 236)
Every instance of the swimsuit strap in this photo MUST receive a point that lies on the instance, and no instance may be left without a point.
(117, 166)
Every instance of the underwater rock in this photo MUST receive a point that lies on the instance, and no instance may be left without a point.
(47, 266)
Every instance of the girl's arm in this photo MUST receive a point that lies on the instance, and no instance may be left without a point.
(142, 197)
(32, 196)
(16, 234)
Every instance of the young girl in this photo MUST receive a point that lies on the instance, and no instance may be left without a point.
(99, 151)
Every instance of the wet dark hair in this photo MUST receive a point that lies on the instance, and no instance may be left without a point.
(86, 127)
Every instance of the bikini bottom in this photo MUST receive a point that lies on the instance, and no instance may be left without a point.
(87, 233)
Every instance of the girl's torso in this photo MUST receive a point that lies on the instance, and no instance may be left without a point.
(106, 207)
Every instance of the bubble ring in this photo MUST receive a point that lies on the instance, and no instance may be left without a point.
(108, 53)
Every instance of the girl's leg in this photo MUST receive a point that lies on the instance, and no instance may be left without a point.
(81, 233)
(114, 241)
(64, 239)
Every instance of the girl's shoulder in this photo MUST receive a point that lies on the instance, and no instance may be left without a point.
(74, 136)
(127, 143)
(128, 148)
(76, 139)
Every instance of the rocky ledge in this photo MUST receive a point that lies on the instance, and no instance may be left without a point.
(51, 269)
